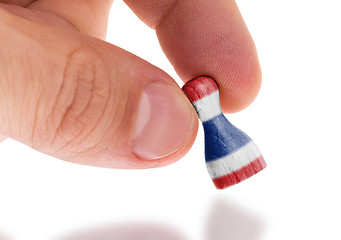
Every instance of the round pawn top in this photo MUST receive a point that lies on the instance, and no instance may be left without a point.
(203, 92)
(199, 87)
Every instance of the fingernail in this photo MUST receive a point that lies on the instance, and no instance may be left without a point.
(163, 123)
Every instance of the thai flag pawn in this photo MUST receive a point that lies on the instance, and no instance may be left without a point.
(231, 156)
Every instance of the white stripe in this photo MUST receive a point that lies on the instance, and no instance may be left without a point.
(208, 107)
(234, 161)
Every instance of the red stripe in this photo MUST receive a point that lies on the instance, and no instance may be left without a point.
(241, 174)
(200, 87)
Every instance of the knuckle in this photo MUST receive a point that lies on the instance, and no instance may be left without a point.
(81, 101)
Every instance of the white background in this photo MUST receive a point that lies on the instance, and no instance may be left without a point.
(295, 121)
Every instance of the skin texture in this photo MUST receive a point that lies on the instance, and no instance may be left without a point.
(67, 93)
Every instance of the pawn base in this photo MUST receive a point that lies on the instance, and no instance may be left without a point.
(241, 174)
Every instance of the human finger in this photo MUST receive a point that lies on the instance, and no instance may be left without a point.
(206, 38)
(83, 100)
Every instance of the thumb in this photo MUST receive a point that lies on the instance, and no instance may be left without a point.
(80, 99)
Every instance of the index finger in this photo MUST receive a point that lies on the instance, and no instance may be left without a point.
(206, 38)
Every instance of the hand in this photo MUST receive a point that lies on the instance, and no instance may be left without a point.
(66, 93)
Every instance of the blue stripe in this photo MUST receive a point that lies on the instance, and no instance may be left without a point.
(222, 138)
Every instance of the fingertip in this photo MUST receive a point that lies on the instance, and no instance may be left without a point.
(109, 157)
(183, 150)
(164, 125)
(205, 38)
(239, 78)
(240, 86)
(139, 163)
